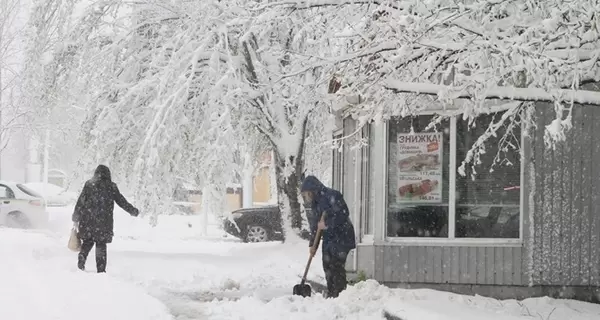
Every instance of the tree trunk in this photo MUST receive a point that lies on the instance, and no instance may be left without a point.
(288, 188)
(205, 207)
(248, 182)
(46, 157)
(273, 194)
(288, 172)
(288, 200)
(1, 108)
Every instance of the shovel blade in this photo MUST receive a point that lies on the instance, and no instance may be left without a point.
(303, 290)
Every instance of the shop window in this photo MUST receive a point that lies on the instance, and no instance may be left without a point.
(418, 162)
(367, 184)
(487, 197)
(337, 163)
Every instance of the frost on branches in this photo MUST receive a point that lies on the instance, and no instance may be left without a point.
(11, 111)
(182, 86)
(400, 57)
(159, 107)
(284, 106)
(171, 88)
(48, 90)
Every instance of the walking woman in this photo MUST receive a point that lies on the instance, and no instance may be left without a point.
(93, 216)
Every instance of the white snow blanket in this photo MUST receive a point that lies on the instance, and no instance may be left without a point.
(173, 272)
(35, 285)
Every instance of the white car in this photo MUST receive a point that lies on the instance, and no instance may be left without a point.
(54, 195)
(21, 207)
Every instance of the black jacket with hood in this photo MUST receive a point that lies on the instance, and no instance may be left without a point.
(94, 209)
(339, 235)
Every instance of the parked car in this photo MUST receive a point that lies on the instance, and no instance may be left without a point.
(55, 196)
(184, 208)
(21, 207)
(258, 224)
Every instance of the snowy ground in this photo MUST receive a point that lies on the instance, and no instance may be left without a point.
(169, 272)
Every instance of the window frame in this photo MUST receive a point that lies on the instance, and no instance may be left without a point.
(337, 159)
(451, 240)
(365, 187)
(28, 191)
(10, 193)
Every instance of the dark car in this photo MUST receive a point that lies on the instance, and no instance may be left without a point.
(258, 224)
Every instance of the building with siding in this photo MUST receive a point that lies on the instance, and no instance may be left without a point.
(530, 227)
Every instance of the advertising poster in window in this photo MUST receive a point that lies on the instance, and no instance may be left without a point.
(419, 162)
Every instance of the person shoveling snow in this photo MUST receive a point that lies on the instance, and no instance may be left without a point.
(338, 231)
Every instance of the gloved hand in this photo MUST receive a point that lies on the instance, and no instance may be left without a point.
(135, 212)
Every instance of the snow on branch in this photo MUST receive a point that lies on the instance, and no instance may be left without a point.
(502, 93)
(307, 4)
(174, 94)
(436, 52)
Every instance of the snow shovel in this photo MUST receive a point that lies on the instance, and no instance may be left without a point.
(304, 289)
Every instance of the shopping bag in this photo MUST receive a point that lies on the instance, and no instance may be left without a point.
(74, 241)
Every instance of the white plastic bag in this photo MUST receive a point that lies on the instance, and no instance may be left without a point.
(74, 241)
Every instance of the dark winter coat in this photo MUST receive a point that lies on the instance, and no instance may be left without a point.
(339, 235)
(94, 209)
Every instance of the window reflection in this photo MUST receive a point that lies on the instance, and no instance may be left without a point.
(418, 178)
(488, 206)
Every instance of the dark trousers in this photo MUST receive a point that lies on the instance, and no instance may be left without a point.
(334, 265)
(86, 247)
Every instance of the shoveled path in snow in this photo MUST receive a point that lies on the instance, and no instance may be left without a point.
(187, 281)
(186, 278)
(216, 278)
(253, 281)
(219, 278)
(187, 271)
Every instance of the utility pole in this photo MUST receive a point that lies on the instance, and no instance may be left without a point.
(1, 124)
(46, 155)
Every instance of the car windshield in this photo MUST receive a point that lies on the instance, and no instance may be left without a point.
(28, 191)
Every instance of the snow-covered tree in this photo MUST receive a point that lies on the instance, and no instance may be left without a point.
(285, 108)
(184, 84)
(155, 99)
(48, 86)
(400, 57)
(172, 87)
(12, 111)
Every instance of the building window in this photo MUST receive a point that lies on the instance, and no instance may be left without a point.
(488, 195)
(418, 180)
(6, 193)
(336, 181)
(421, 187)
(366, 184)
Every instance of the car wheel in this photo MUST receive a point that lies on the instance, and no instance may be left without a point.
(17, 220)
(257, 234)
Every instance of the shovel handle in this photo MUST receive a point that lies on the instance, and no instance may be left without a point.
(315, 246)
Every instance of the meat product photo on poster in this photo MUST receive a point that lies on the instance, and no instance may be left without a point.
(417, 189)
(419, 162)
(419, 167)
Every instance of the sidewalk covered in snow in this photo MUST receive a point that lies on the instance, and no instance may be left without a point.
(167, 272)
